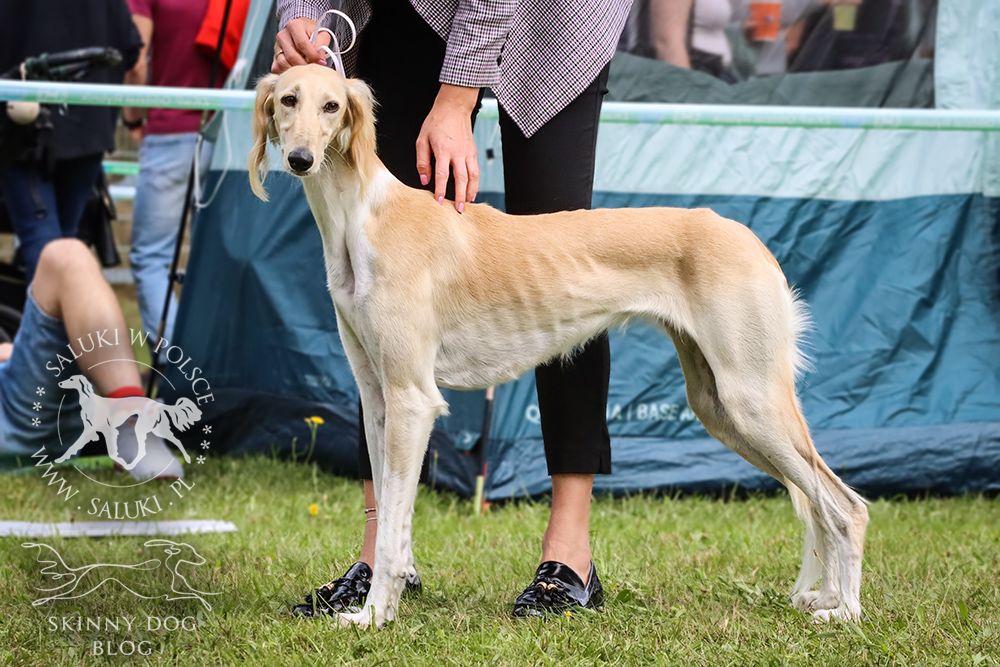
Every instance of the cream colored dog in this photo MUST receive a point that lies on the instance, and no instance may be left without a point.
(428, 297)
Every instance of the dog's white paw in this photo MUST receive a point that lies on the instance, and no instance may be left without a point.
(364, 618)
(361, 619)
(810, 601)
(804, 601)
(841, 613)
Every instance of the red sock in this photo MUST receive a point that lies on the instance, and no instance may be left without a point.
(123, 392)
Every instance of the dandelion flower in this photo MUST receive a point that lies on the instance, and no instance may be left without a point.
(315, 419)
(313, 509)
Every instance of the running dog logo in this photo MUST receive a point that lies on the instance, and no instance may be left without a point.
(103, 416)
(71, 583)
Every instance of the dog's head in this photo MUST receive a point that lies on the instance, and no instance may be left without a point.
(314, 114)
(171, 548)
(74, 382)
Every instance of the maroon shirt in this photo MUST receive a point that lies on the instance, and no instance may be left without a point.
(175, 59)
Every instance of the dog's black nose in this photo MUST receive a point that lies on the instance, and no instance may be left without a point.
(300, 159)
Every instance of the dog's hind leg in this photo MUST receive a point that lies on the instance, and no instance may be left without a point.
(703, 398)
(835, 516)
(169, 436)
(813, 552)
(410, 411)
(750, 405)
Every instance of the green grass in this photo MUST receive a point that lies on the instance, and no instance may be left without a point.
(689, 581)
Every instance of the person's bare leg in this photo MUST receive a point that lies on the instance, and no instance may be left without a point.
(371, 527)
(69, 285)
(567, 538)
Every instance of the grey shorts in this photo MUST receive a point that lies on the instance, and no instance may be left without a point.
(29, 395)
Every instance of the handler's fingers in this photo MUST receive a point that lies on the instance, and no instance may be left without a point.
(300, 35)
(286, 48)
(279, 64)
(472, 163)
(461, 174)
(423, 159)
(441, 163)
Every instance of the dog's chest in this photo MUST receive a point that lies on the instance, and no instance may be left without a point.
(502, 345)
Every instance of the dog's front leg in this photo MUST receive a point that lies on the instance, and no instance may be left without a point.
(372, 400)
(410, 412)
(88, 435)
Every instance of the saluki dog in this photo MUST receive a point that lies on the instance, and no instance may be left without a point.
(103, 416)
(427, 297)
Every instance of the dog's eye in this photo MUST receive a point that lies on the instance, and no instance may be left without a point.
(288, 100)
(331, 107)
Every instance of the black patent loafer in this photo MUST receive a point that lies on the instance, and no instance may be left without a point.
(557, 589)
(347, 593)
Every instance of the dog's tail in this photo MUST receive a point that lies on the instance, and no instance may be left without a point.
(53, 566)
(183, 414)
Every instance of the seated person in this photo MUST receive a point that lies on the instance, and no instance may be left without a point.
(69, 299)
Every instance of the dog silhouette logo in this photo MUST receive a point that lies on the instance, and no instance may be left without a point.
(103, 416)
(139, 579)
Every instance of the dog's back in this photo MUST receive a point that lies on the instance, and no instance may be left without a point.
(508, 291)
(120, 410)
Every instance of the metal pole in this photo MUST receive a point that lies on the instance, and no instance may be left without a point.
(614, 113)
(479, 504)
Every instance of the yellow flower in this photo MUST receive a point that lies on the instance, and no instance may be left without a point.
(315, 419)
(313, 509)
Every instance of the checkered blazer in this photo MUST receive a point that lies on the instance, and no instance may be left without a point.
(551, 49)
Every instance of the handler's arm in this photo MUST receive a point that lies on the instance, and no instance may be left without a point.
(297, 19)
(139, 74)
(478, 33)
(471, 61)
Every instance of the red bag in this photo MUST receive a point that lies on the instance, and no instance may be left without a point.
(208, 35)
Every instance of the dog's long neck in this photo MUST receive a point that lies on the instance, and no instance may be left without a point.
(343, 200)
(85, 389)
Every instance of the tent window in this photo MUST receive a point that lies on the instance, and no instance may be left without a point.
(809, 52)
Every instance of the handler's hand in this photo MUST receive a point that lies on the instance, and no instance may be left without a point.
(292, 46)
(447, 133)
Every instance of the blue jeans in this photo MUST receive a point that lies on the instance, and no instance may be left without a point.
(28, 390)
(164, 165)
(44, 208)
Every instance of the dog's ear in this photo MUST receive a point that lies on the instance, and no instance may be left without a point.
(264, 131)
(356, 141)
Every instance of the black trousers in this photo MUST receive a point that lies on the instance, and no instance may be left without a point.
(400, 58)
